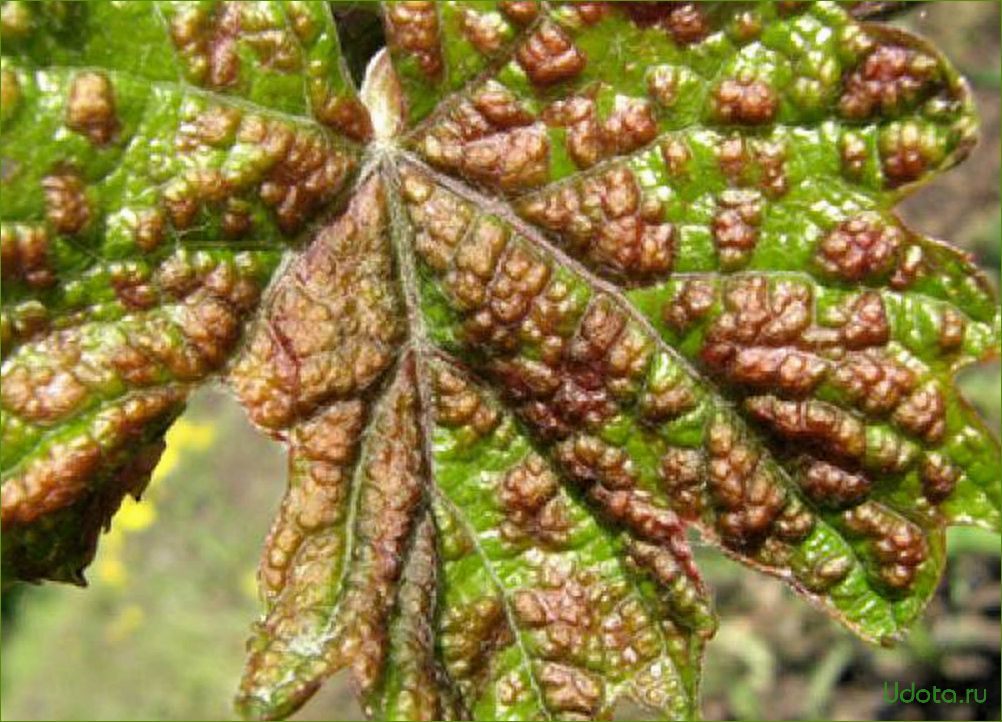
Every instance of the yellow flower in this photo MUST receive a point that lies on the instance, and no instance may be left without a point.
(135, 515)
(183, 437)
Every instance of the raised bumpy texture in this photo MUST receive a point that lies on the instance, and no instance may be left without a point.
(574, 279)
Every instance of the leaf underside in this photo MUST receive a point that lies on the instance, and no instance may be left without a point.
(573, 279)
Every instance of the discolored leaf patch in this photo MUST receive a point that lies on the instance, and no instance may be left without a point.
(560, 285)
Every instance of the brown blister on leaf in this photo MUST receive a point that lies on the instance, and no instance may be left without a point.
(299, 171)
(330, 324)
(210, 42)
(860, 248)
(607, 221)
(65, 475)
(391, 488)
(492, 139)
(889, 77)
(424, 690)
(549, 56)
(470, 635)
(322, 449)
(897, 545)
(534, 511)
(128, 467)
(603, 259)
(66, 205)
(812, 421)
(207, 41)
(745, 100)
(24, 255)
(686, 22)
(153, 357)
(413, 27)
(91, 107)
(332, 608)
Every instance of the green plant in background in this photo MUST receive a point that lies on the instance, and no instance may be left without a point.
(559, 282)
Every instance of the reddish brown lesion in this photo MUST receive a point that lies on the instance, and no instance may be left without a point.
(663, 84)
(392, 486)
(748, 497)
(215, 126)
(766, 338)
(898, 546)
(686, 22)
(133, 285)
(46, 392)
(854, 154)
(827, 427)
(736, 226)
(66, 471)
(666, 398)
(908, 151)
(570, 690)
(307, 550)
(321, 451)
(150, 229)
(751, 163)
(683, 473)
(491, 138)
(517, 281)
(22, 322)
(302, 171)
(343, 112)
(757, 340)
(307, 171)
(66, 204)
(484, 31)
(520, 12)
(412, 27)
(939, 476)
(534, 509)
(952, 328)
(889, 77)
(208, 42)
(677, 156)
(585, 13)
(574, 618)
(745, 100)
(832, 485)
(631, 124)
(90, 109)
(475, 260)
(588, 460)
(471, 635)
(923, 412)
(25, 256)
(864, 246)
(549, 56)
(873, 380)
(866, 324)
(580, 380)
(606, 219)
(318, 340)
(440, 220)
(458, 404)
(692, 301)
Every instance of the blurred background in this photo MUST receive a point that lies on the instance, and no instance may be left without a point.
(159, 633)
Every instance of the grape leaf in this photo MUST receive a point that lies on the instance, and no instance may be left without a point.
(558, 284)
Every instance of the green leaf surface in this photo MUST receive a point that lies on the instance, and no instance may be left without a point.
(560, 283)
